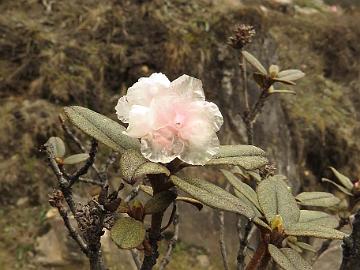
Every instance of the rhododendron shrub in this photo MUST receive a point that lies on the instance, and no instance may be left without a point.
(172, 119)
(169, 126)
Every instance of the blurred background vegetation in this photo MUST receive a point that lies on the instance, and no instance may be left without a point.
(86, 52)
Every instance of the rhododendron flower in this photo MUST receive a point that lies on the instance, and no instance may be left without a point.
(172, 119)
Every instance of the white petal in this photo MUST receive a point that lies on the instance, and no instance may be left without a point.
(140, 121)
(212, 112)
(148, 88)
(122, 109)
(158, 78)
(189, 87)
(161, 146)
(200, 154)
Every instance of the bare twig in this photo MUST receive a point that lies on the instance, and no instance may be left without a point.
(90, 161)
(171, 219)
(172, 243)
(244, 82)
(90, 181)
(243, 244)
(222, 240)
(78, 143)
(158, 183)
(351, 246)
(56, 201)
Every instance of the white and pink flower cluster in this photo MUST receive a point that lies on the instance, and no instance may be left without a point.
(172, 119)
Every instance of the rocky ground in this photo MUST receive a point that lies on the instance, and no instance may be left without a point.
(56, 53)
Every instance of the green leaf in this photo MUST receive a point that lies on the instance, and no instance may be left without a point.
(305, 246)
(275, 198)
(254, 62)
(133, 165)
(243, 188)
(247, 156)
(320, 199)
(74, 159)
(101, 128)
(191, 201)
(341, 188)
(146, 189)
(318, 218)
(284, 81)
(288, 258)
(247, 162)
(248, 203)
(159, 202)
(239, 151)
(278, 91)
(213, 196)
(56, 146)
(343, 179)
(291, 74)
(305, 229)
(128, 233)
(294, 247)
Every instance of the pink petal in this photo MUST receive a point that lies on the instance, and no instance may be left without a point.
(161, 146)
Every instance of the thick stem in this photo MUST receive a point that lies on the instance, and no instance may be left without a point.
(158, 184)
(96, 260)
(260, 258)
(351, 247)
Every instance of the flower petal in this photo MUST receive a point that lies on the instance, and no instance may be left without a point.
(122, 109)
(189, 87)
(211, 111)
(199, 154)
(140, 121)
(161, 146)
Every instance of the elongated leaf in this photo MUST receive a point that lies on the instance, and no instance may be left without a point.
(339, 187)
(291, 74)
(343, 179)
(247, 162)
(243, 188)
(254, 62)
(57, 146)
(101, 128)
(191, 201)
(213, 196)
(248, 157)
(74, 159)
(275, 198)
(305, 246)
(146, 189)
(294, 247)
(288, 259)
(159, 202)
(151, 168)
(279, 91)
(304, 229)
(320, 199)
(284, 81)
(318, 218)
(239, 151)
(248, 203)
(133, 165)
(128, 233)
